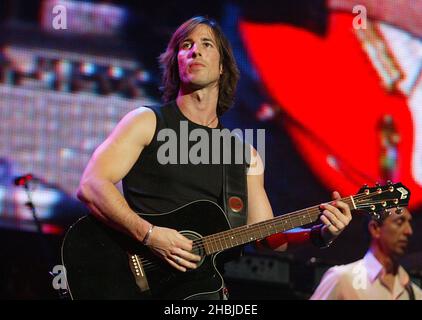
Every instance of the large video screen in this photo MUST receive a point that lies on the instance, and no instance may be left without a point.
(351, 95)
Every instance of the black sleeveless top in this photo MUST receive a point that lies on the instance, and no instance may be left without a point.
(152, 187)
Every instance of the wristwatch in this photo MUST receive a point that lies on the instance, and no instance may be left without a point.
(317, 239)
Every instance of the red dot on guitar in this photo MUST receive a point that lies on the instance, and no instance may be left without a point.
(235, 204)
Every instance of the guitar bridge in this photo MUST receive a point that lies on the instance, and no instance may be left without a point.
(138, 272)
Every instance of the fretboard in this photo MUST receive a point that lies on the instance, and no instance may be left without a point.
(248, 233)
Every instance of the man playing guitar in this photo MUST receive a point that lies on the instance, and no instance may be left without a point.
(199, 81)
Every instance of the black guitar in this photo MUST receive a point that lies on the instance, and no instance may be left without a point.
(102, 263)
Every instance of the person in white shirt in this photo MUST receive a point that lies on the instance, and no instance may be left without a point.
(378, 276)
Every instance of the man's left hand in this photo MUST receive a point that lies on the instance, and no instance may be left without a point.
(336, 216)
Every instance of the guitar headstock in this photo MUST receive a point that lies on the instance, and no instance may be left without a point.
(379, 199)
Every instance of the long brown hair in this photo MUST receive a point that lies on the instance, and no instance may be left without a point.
(170, 69)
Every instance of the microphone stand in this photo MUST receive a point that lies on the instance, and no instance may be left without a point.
(30, 205)
(45, 250)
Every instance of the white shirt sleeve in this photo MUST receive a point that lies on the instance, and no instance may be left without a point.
(329, 287)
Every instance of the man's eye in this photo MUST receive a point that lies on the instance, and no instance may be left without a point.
(207, 44)
(186, 45)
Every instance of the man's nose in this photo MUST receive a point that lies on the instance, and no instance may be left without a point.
(195, 51)
(408, 231)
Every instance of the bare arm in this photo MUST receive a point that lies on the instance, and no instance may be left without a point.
(109, 164)
(259, 207)
(335, 216)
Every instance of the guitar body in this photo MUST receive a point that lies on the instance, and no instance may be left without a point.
(98, 259)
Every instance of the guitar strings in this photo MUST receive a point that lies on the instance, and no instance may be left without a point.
(199, 243)
(294, 218)
(283, 219)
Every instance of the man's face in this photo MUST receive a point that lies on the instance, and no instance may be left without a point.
(199, 59)
(393, 235)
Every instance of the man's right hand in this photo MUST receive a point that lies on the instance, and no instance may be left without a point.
(173, 247)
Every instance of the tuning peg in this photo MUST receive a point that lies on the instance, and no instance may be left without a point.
(365, 188)
(389, 182)
(399, 210)
(376, 216)
(377, 184)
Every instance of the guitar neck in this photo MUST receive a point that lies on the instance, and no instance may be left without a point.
(249, 233)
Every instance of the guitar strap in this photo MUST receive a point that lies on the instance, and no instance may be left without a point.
(235, 196)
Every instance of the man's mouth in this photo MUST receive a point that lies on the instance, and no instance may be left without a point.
(196, 65)
(404, 242)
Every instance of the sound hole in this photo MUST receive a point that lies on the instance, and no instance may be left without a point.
(198, 247)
